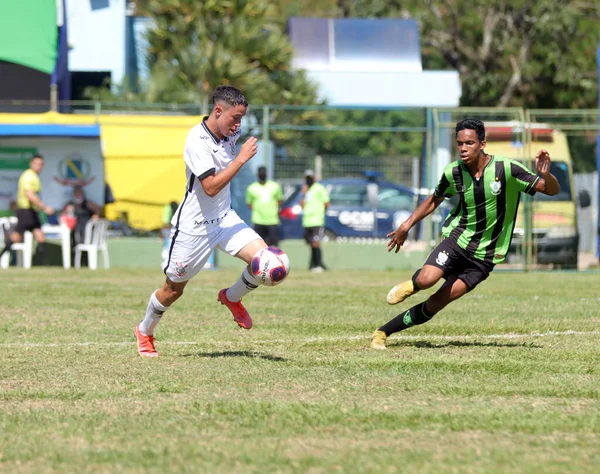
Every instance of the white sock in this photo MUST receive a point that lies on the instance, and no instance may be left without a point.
(246, 283)
(154, 312)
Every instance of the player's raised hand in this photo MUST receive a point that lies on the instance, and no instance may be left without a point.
(249, 149)
(542, 162)
(397, 239)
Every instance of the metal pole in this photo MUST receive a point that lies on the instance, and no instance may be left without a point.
(266, 138)
(427, 166)
(53, 97)
(318, 167)
(527, 199)
(598, 159)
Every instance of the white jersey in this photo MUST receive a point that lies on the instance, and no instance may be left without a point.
(204, 154)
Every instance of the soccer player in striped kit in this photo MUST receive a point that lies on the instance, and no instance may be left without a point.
(477, 232)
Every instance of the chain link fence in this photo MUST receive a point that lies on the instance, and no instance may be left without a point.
(402, 146)
(579, 194)
(342, 142)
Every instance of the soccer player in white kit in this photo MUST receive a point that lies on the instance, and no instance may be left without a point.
(205, 220)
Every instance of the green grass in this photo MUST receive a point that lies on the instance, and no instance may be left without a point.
(504, 380)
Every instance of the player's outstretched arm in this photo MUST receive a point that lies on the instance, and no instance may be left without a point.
(547, 184)
(398, 236)
(215, 183)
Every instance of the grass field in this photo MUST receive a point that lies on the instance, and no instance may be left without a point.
(505, 380)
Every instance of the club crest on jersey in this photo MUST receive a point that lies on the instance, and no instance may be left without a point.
(496, 187)
(441, 258)
(180, 269)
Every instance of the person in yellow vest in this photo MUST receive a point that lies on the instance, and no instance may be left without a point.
(314, 202)
(28, 206)
(264, 198)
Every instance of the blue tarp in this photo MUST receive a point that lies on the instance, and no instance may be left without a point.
(49, 130)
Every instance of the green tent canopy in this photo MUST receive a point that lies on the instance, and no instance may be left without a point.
(29, 34)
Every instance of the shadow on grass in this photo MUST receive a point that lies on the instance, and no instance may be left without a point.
(438, 345)
(254, 355)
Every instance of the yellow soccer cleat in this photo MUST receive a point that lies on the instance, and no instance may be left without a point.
(378, 340)
(400, 292)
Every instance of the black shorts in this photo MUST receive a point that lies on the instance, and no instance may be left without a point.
(27, 219)
(453, 260)
(269, 233)
(313, 234)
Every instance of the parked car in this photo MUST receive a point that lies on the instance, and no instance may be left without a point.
(354, 203)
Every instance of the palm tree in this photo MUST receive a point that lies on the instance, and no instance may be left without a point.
(197, 45)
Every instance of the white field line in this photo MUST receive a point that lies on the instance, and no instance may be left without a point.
(309, 340)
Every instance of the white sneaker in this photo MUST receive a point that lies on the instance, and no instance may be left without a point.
(317, 269)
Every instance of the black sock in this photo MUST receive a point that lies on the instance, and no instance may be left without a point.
(6, 248)
(318, 262)
(414, 279)
(41, 253)
(416, 315)
(313, 258)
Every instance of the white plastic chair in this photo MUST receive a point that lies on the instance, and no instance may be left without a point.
(4, 230)
(24, 249)
(94, 240)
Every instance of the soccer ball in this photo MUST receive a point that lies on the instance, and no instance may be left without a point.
(270, 265)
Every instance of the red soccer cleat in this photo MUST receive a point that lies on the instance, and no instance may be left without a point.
(145, 344)
(240, 314)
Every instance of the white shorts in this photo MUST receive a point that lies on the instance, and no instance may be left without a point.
(188, 254)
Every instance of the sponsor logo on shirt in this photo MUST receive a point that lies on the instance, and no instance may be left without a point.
(211, 221)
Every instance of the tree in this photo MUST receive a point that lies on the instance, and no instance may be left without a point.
(534, 54)
(349, 140)
(197, 45)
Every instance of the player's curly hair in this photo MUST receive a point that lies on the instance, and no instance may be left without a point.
(229, 95)
(472, 124)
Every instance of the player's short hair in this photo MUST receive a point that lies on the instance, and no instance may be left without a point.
(229, 95)
(472, 124)
(37, 156)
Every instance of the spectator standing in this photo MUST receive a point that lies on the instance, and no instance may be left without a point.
(264, 198)
(314, 203)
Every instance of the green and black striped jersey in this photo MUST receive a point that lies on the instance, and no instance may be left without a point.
(482, 222)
